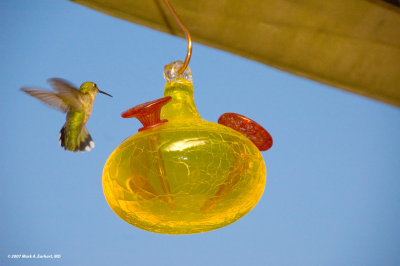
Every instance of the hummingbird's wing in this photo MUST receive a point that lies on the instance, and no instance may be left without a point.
(50, 98)
(67, 92)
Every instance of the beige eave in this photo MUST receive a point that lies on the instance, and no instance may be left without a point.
(353, 45)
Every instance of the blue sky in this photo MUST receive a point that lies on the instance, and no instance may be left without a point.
(332, 194)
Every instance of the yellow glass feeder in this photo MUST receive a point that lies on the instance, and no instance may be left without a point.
(181, 174)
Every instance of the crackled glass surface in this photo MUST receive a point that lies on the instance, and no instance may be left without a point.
(184, 176)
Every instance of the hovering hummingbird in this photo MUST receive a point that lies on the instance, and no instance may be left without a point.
(78, 104)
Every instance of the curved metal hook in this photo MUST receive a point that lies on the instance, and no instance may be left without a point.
(187, 34)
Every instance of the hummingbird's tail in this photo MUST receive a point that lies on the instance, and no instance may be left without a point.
(72, 142)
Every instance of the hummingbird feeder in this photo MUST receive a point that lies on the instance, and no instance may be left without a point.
(181, 174)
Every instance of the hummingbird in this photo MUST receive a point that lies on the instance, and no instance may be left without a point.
(78, 104)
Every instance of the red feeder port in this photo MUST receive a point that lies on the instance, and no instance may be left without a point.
(148, 113)
(252, 130)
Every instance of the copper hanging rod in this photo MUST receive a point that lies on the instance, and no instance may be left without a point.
(187, 34)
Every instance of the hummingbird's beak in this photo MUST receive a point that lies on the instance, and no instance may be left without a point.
(105, 93)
